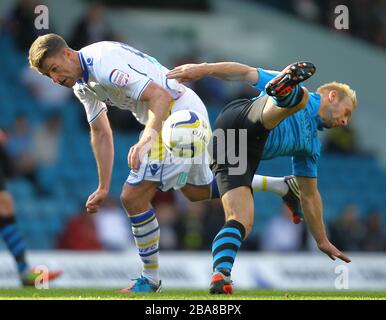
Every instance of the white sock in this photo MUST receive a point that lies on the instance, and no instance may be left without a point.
(146, 235)
(270, 184)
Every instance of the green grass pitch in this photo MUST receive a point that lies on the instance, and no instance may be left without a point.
(104, 294)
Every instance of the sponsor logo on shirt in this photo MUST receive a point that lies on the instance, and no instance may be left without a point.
(119, 78)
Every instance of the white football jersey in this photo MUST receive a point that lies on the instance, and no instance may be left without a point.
(115, 74)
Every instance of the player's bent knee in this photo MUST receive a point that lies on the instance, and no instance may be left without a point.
(137, 198)
(131, 202)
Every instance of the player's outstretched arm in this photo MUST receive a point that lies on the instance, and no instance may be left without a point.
(223, 70)
(103, 147)
(313, 214)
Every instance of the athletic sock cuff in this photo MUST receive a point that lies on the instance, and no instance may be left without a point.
(237, 225)
(140, 218)
(290, 100)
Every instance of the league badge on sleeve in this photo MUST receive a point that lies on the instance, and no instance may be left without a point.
(119, 78)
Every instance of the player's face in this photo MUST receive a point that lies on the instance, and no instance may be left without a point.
(338, 112)
(61, 68)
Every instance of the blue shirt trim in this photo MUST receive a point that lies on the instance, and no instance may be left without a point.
(84, 67)
(98, 114)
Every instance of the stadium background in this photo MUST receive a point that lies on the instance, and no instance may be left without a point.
(53, 170)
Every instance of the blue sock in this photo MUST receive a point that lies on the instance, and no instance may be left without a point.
(225, 246)
(14, 241)
(291, 99)
(214, 193)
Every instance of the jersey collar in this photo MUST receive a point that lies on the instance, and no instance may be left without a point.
(84, 68)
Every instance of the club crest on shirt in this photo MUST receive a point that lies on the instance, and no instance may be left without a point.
(119, 78)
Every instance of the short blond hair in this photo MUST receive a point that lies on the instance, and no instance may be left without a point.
(342, 89)
(44, 47)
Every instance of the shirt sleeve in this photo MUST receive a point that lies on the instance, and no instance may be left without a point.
(264, 77)
(305, 166)
(92, 106)
(126, 71)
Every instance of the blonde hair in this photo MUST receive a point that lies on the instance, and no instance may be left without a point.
(44, 47)
(342, 89)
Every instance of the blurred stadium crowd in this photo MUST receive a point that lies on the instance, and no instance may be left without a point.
(52, 171)
(367, 17)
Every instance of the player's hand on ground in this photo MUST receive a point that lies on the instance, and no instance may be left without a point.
(329, 249)
(187, 72)
(95, 200)
(137, 153)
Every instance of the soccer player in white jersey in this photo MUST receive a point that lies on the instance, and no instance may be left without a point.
(115, 74)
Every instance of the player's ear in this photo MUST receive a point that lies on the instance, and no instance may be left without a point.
(332, 95)
(67, 52)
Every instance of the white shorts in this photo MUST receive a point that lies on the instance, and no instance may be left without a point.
(172, 172)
